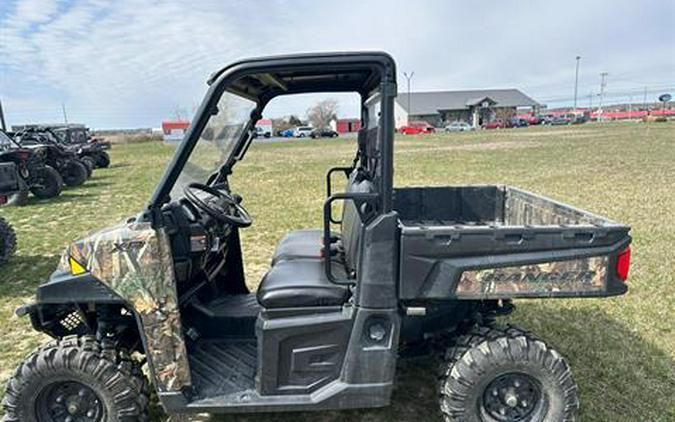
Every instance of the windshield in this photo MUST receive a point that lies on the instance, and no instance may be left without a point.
(217, 141)
(5, 141)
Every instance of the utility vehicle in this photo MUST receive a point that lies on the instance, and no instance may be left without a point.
(33, 173)
(73, 171)
(78, 138)
(46, 135)
(400, 271)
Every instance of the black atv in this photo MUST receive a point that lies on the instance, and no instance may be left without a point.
(73, 170)
(33, 172)
(94, 149)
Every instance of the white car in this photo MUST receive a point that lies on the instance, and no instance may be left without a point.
(458, 127)
(303, 131)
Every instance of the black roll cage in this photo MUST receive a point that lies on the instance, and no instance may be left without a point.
(366, 73)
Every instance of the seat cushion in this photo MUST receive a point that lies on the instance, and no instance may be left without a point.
(300, 244)
(299, 283)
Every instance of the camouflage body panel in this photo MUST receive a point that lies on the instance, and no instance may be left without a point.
(524, 209)
(135, 261)
(564, 278)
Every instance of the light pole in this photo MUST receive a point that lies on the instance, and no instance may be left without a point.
(603, 84)
(409, 77)
(576, 83)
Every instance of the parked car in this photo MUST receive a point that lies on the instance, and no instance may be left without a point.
(414, 128)
(535, 120)
(261, 133)
(458, 126)
(495, 124)
(302, 131)
(286, 133)
(324, 133)
(519, 122)
(560, 120)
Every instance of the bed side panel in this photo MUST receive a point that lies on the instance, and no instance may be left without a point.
(525, 209)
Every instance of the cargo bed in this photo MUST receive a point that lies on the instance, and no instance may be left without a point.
(489, 242)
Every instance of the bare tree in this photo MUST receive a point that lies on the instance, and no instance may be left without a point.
(322, 113)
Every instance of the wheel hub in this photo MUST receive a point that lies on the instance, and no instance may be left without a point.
(69, 401)
(512, 397)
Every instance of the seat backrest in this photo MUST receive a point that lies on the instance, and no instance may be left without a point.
(352, 224)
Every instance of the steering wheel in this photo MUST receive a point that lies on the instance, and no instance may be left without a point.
(218, 204)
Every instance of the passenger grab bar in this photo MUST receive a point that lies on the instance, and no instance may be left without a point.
(359, 198)
(346, 170)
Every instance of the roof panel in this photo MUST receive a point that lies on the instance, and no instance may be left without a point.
(431, 102)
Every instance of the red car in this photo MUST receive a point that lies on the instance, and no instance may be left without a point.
(495, 124)
(414, 128)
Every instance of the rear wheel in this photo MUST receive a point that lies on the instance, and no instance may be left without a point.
(76, 379)
(75, 173)
(49, 183)
(506, 375)
(7, 240)
(90, 163)
(103, 160)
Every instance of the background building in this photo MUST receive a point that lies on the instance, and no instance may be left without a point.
(174, 130)
(475, 107)
(345, 125)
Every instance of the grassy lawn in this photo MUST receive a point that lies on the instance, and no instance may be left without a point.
(622, 350)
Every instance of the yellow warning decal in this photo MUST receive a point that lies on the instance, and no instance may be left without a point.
(75, 267)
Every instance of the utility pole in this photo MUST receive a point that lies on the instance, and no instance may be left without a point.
(65, 116)
(576, 83)
(590, 102)
(644, 101)
(603, 84)
(630, 108)
(409, 77)
(2, 118)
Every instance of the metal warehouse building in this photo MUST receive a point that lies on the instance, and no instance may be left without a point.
(474, 107)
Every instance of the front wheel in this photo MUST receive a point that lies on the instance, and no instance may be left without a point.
(506, 375)
(75, 173)
(90, 163)
(103, 160)
(76, 379)
(49, 183)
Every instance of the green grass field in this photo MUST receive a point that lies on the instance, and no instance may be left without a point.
(622, 350)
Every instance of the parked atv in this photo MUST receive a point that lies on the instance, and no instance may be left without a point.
(87, 146)
(33, 174)
(73, 170)
(406, 269)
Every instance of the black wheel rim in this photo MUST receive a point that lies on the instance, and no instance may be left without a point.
(69, 401)
(513, 397)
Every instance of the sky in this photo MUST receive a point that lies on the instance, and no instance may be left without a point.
(133, 63)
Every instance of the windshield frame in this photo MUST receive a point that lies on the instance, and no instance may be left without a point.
(383, 77)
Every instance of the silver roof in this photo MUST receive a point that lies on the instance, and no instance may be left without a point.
(432, 102)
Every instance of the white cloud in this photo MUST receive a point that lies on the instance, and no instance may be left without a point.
(132, 62)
